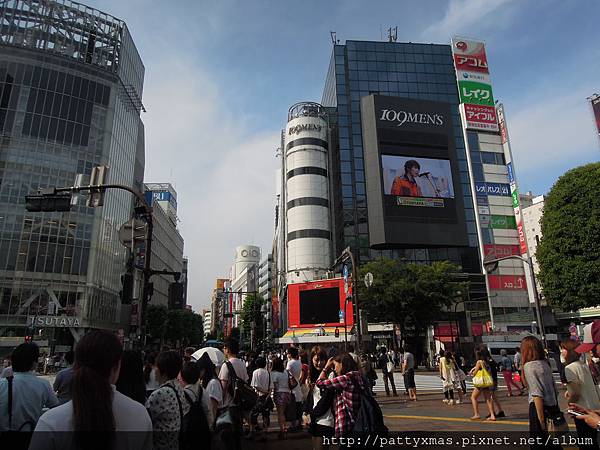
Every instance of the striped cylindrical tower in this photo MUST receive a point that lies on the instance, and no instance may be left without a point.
(306, 180)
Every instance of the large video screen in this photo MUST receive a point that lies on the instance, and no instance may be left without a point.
(413, 189)
(413, 176)
(319, 306)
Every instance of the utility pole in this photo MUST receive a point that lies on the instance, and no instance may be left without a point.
(490, 264)
(51, 199)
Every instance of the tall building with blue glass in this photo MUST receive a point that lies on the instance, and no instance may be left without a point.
(411, 71)
(71, 82)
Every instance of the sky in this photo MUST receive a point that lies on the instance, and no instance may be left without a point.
(221, 75)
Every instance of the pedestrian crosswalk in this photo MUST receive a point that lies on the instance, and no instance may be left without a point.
(427, 382)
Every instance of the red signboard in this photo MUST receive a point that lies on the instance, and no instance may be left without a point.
(501, 251)
(470, 56)
(482, 117)
(324, 299)
(507, 282)
(445, 329)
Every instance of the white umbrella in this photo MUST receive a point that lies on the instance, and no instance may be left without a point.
(216, 356)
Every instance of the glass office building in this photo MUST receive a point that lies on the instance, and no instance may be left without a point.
(414, 71)
(71, 83)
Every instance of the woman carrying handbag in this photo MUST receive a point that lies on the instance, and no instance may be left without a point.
(544, 413)
(482, 382)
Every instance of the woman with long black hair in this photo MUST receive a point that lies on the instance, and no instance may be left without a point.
(131, 378)
(97, 413)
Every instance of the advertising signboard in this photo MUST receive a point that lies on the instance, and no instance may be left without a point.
(469, 56)
(507, 282)
(474, 93)
(501, 251)
(474, 85)
(318, 303)
(412, 176)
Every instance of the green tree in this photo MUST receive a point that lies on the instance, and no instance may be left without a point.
(412, 296)
(156, 321)
(569, 250)
(251, 320)
(184, 326)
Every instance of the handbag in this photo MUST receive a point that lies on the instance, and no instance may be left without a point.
(292, 382)
(15, 439)
(483, 379)
(517, 377)
(557, 423)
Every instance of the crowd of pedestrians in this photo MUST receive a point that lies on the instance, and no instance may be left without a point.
(107, 398)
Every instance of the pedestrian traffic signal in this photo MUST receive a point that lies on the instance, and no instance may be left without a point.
(337, 332)
(176, 296)
(47, 203)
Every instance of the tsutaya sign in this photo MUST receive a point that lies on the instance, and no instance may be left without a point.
(54, 321)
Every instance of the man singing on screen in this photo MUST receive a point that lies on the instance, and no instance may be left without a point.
(406, 185)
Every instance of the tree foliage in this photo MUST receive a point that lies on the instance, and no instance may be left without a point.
(251, 320)
(413, 296)
(569, 250)
(174, 325)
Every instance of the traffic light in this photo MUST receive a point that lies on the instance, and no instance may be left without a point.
(98, 177)
(337, 332)
(176, 296)
(47, 203)
(127, 290)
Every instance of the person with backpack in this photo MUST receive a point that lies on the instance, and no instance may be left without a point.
(348, 387)
(167, 405)
(195, 424)
(386, 364)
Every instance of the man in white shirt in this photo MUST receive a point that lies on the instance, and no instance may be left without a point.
(294, 367)
(231, 348)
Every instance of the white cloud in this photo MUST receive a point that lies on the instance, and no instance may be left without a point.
(224, 176)
(556, 132)
(462, 15)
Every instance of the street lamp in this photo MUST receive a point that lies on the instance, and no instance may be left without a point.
(491, 264)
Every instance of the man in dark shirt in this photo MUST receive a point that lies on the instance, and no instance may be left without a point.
(62, 383)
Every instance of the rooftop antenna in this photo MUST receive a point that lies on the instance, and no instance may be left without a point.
(334, 39)
(392, 34)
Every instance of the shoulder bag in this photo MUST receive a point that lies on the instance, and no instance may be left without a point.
(482, 379)
(557, 423)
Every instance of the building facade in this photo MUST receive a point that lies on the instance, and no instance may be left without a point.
(71, 83)
(207, 320)
(167, 243)
(381, 101)
(243, 281)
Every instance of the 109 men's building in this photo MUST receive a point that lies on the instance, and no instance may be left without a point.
(413, 165)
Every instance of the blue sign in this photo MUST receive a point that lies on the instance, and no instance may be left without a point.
(511, 173)
(160, 196)
(341, 314)
(501, 189)
(345, 272)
